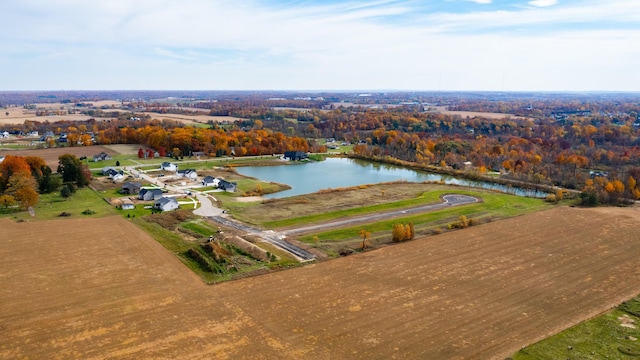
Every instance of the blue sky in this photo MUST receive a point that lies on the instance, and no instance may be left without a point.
(500, 45)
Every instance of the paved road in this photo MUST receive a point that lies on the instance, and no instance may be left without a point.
(448, 200)
(208, 210)
(268, 236)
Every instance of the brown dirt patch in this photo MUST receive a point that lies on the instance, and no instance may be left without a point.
(99, 288)
(50, 156)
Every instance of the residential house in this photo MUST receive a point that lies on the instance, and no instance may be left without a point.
(101, 157)
(210, 181)
(127, 205)
(167, 166)
(295, 155)
(166, 204)
(150, 194)
(4, 134)
(107, 169)
(190, 174)
(33, 134)
(131, 188)
(227, 186)
(198, 154)
(115, 175)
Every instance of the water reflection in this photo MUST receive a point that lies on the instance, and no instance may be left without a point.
(340, 172)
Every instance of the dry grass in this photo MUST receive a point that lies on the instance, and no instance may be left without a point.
(472, 114)
(100, 288)
(335, 200)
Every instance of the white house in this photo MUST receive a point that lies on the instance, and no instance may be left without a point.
(150, 194)
(127, 205)
(210, 181)
(188, 173)
(166, 204)
(4, 134)
(167, 166)
(115, 175)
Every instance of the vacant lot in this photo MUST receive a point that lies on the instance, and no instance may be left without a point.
(100, 288)
(51, 155)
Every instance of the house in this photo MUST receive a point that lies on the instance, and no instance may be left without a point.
(167, 166)
(127, 205)
(115, 175)
(188, 173)
(210, 181)
(106, 169)
(4, 134)
(150, 194)
(33, 134)
(227, 186)
(295, 155)
(131, 188)
(166, 204)
(101, 157)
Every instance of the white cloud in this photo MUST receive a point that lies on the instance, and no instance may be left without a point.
(217, 44)
(543, 3)
(484, 2)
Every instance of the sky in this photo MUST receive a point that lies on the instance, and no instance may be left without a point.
(413, 45)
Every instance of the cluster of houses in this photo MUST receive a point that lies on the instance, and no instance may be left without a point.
(160, 202)
(219, 183)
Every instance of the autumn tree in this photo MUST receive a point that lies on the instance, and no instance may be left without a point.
(41, 172)
(402, 232)
(12, 165)
(7, 200)
(365, 238)
(23, 188)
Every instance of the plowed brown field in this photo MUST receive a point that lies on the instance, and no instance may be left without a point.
(99, 288)
(50, 156)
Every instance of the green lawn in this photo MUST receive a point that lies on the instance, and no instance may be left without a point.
(52, 205)
(494, 205)
(501, 204)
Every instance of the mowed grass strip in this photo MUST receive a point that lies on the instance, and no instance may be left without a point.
(493, 206)
(500, 205)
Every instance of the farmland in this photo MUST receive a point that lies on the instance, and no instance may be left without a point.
(477, 293)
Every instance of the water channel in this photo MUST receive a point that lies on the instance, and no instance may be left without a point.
(341, 172)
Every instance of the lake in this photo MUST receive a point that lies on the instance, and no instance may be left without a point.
(334, 173)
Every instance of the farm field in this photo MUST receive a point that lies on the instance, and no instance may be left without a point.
(102, 288)
(50, 156)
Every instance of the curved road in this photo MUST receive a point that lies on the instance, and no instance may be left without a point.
(210, 211)
(449, 200)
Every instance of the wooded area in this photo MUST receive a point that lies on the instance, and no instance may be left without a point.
(587, 143)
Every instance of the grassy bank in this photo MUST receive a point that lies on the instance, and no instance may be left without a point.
(610, 336)
(493, 206)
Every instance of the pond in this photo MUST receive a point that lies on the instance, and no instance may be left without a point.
(341, 172)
